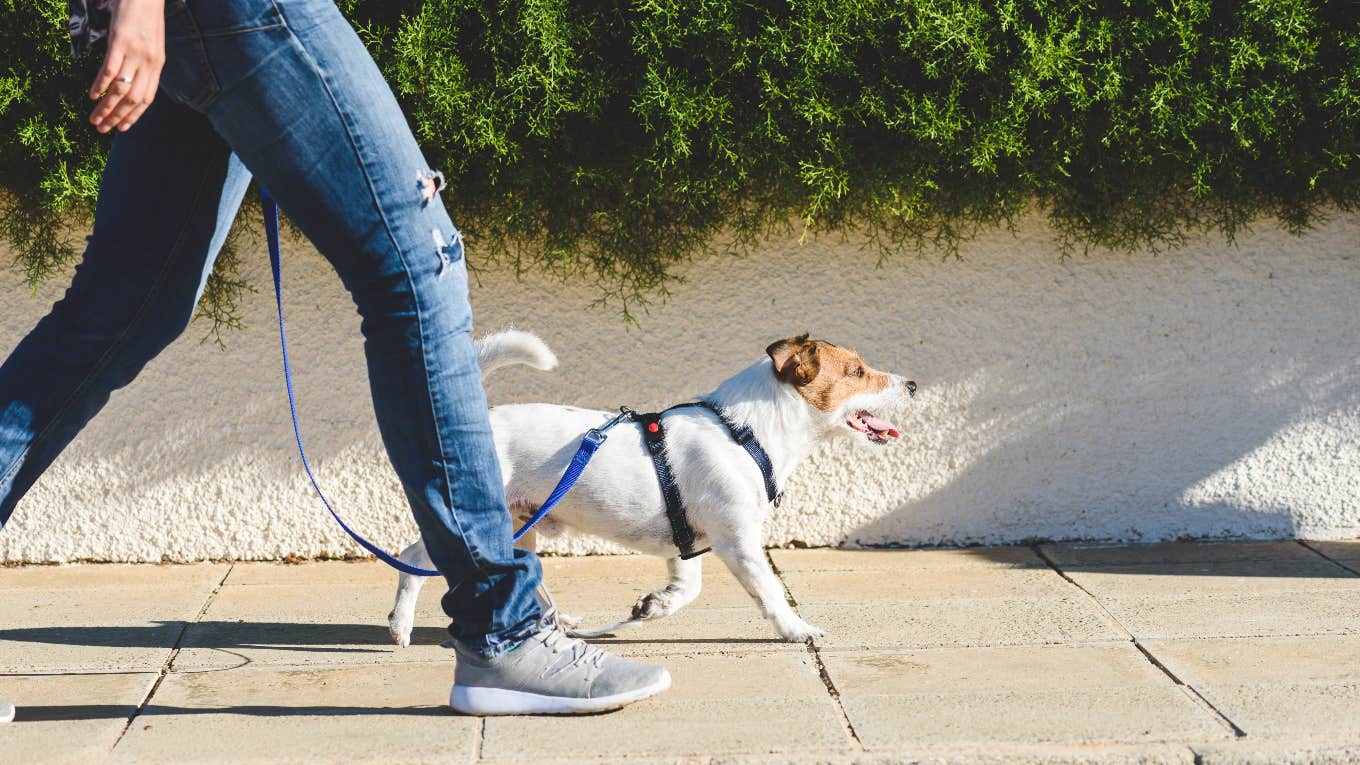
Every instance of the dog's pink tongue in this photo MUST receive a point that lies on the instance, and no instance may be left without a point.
(882, 426)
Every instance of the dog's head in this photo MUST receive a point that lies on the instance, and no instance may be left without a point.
(836, 382)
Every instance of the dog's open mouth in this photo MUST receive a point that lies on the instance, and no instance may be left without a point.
(878, 431)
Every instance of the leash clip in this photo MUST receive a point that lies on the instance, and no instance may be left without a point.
(596, 437)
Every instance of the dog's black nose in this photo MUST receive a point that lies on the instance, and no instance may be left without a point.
(911, 387)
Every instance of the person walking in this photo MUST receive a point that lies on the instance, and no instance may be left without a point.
(203, 95)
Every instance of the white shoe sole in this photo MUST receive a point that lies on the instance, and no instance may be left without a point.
(6, 712)
(471, 700)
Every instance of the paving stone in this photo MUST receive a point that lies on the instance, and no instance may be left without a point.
(1101, 692)
(1117, 714)
(1228, 577)
(1274, 686)
(1238, 615)
(921, 584)
(961, 622)
(991, 753)
(752, 703)
(1273, 709)
(1344, 550)
(92, 618)
(1012, 668)
(1320, 659)
(1173, 552)
(69, 718)
(84, 576)
(394, 713)
(1255, 751)
(362, 573)
(307, 625)
(897, 560)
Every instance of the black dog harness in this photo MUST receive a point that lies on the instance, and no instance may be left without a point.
(654, 434)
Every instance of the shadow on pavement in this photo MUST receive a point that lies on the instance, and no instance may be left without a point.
(320, 638)
(73, 712)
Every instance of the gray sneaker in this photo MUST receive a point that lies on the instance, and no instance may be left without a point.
(551, 673)
(6, 711)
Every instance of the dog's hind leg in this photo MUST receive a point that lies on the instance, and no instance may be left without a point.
(403, 617)
(686, 583)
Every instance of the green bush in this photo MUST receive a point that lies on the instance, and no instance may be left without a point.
(615, 139)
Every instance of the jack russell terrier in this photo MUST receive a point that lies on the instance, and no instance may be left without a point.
(803, 394)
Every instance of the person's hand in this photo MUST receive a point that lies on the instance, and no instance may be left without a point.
(127, 82)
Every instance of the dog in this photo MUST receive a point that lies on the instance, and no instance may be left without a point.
(802, 394)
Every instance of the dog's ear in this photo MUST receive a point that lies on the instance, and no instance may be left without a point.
(795, 359)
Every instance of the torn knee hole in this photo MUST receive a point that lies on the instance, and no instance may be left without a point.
(449, 251)
(430, 183)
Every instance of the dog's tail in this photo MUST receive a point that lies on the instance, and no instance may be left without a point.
(512, 346)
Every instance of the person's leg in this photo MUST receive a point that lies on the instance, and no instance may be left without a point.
(166, 201)
(296, 96)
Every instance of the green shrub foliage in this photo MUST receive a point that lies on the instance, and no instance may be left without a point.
(612, 140)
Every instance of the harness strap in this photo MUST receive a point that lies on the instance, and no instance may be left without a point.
(746, 437)
(654, 434)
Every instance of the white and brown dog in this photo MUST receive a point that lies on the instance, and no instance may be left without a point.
(804, 393)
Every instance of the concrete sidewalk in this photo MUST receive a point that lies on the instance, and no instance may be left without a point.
(1166, 653)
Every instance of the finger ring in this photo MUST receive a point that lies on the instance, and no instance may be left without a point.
(125, 79)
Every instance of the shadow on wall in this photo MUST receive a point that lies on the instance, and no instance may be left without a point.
(1221, 399)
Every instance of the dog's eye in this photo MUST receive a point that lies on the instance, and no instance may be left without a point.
(859, 372)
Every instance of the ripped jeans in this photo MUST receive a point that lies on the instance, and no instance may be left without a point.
(285, 90)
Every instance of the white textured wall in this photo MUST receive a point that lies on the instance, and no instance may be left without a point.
(1213, 391)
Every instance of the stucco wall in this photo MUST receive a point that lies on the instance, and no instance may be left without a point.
(1212, 391)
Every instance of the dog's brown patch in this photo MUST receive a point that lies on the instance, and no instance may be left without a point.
(825, 374)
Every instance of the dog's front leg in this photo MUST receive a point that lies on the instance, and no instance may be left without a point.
(749, 565)
(686, 583)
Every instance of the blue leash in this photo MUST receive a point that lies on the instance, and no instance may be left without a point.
(594, 438)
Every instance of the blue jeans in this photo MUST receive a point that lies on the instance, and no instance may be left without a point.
(285, 90)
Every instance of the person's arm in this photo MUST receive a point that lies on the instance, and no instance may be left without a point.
(127, 82)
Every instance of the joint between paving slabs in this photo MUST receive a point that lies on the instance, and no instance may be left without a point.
(846, 724)
(1189, 690)
(170, 658)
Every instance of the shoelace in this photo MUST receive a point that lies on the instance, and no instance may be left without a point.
(553, 633)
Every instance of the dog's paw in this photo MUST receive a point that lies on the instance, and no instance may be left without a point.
(655, 605)
(399, 627)
(800, 632)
